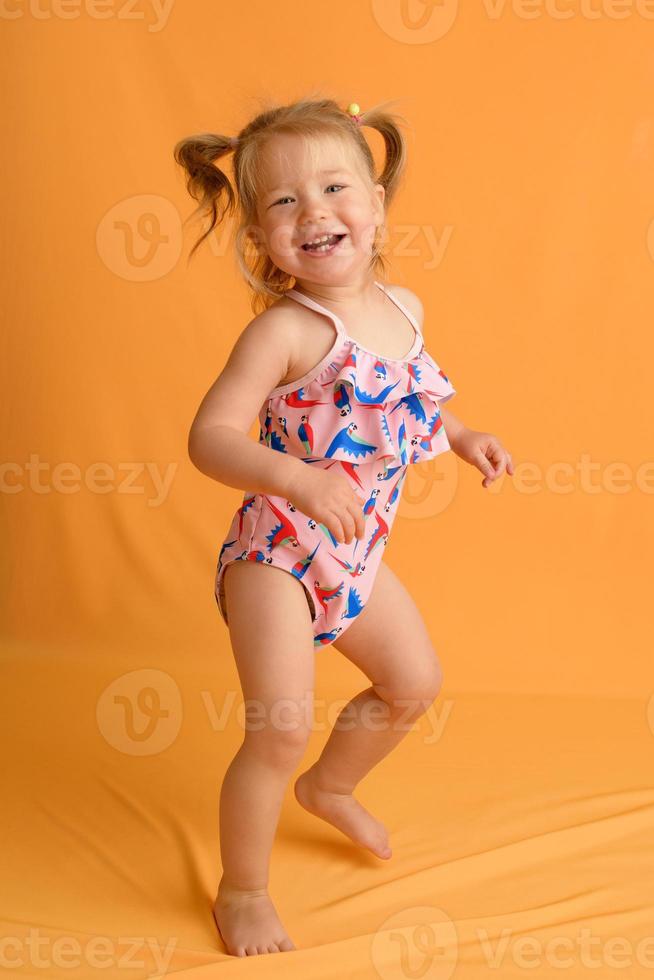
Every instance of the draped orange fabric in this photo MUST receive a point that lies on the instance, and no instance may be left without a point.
(520, 807)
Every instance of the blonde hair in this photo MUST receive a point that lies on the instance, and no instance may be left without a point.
(310, 119)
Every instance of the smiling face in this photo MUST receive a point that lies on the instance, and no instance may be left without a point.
(312, 189)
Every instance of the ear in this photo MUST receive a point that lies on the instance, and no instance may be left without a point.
(253, 233)
(379, 194)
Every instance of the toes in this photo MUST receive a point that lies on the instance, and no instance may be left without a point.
(285, 945)
(252, 950)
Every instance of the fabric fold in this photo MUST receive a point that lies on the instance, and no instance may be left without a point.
(363, 407)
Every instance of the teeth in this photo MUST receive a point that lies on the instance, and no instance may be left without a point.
(322, 239)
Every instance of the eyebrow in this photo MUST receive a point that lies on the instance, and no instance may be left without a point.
(321, 173)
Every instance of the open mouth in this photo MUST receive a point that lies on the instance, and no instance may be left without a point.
(324, 248)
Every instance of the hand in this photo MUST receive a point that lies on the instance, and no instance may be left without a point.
(486, 452)
(328, 498)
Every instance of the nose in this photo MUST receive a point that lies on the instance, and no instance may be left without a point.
(313, 209)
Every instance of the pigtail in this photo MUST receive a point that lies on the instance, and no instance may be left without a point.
(205, 182)
(389, 126)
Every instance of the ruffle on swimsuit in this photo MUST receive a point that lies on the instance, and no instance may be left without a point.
(356, 406)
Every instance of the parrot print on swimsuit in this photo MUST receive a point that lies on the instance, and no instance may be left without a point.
(256, 555)
(326, 531)
(226, 545)
(322, 639)
(351, 470)
(351, 569)
(346, 439)
(364, 397)
(325, 595)
(414, 372)
(268, 425)
(424, 440)
(282, 533)
(340, 395)
(305, 435)
(389, 470)
(342, 398)
(367, 399)
(378, 537)
(300, 567)
(386, 430)
(368, 509)
(354, 604)
(380, 370)
(248, 502)
(369, 505)
(276, 443)
(295, 399)
(394, 495)
(401, 442)
(343, 402)
(412, 401)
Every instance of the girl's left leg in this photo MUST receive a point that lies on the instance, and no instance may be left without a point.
(390, 643)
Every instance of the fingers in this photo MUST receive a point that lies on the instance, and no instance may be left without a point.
(500, 460)
(495, 472)
(349, 522)
(335, 525)
(359, 520)
(499, 464)
(344, 512)
(341, 525)
(504, 462)
(486, 468)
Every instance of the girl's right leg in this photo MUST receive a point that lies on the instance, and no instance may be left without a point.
(272, 640)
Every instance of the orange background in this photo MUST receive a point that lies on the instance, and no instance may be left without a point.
(525, 225)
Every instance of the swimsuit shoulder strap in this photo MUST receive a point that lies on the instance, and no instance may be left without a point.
(408, 314)
(311, 303)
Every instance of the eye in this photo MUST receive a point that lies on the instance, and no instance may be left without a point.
(282, 199)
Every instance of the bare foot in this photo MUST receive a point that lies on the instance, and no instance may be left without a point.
(248, 923)
(343, 812)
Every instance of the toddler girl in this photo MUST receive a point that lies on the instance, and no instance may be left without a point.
(334, 366)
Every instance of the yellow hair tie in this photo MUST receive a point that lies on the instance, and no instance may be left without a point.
(354, 112)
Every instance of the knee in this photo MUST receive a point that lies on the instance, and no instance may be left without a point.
(278, 743)
(416, 691)
(427, 684)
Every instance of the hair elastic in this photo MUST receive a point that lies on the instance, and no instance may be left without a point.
(354, 112)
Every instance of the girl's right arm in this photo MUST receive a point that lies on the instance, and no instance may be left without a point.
(219, 444)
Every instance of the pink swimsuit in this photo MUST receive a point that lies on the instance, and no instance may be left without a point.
(369, 416)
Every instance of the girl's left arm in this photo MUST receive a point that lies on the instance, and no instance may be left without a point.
(480, 449)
